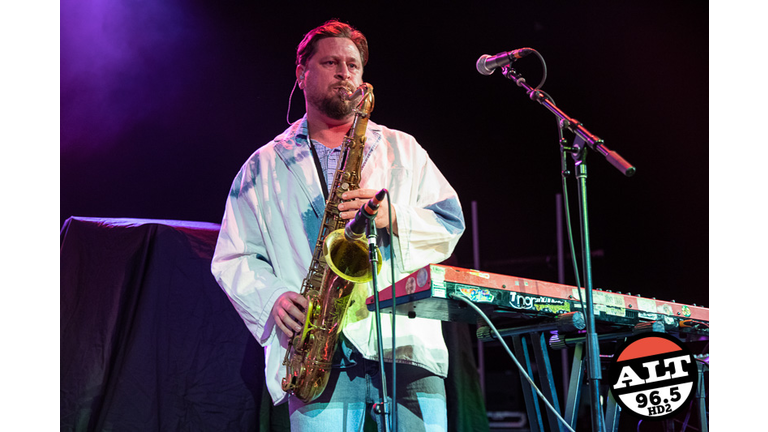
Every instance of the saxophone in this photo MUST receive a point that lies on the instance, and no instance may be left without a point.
(337, 265)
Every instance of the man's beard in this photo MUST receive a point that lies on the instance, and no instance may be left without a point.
(332, 105)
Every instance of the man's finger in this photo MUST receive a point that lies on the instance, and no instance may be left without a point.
(298, 299)
(348, 214)
(284, 329)
(295, 307)
(362, 194)
(290, 323)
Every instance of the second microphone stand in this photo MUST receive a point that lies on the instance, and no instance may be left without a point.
(383, 408)
(583, 140)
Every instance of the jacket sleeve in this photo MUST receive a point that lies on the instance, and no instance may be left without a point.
(431, 222)
(241, 263)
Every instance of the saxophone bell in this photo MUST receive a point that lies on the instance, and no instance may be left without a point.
(349, 259)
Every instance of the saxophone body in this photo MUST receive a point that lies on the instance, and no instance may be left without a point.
(337, 265)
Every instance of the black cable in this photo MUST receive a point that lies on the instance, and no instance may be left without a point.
(393, 422)
(543, 65)
(565, 173)
(459, 296)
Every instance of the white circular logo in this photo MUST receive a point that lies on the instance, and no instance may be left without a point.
(653, 375)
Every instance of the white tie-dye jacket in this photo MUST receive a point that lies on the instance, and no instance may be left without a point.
(271, 223)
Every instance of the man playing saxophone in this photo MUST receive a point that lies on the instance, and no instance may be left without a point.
(271, 223)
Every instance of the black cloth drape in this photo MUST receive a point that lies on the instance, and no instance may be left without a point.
(149, 342)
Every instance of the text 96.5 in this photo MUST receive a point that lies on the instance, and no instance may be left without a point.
(659, 401)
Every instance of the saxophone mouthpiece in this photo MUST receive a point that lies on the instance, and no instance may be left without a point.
(349, 95)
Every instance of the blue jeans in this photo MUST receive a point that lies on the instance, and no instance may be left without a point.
(355, 385)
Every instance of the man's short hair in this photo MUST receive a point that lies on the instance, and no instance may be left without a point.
(332, 28)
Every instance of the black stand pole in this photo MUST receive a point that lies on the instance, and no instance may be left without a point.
(382, 408)
(594, 373)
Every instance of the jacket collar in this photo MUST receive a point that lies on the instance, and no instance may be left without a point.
(292, 146)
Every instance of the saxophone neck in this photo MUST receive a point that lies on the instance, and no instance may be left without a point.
(362, 110)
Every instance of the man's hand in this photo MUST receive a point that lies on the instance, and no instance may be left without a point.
(358, 198)
(288, 312)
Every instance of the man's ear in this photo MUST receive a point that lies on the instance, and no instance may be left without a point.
(300, 76)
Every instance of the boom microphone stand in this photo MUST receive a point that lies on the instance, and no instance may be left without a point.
(584, 139)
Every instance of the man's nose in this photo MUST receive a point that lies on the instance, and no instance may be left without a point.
(342, 71)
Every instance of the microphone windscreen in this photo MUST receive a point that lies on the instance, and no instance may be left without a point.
(481, 67)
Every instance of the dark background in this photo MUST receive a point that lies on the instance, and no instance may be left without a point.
(161, 103)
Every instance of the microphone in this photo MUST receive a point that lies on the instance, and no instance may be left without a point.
(356, 227)
(487, 64)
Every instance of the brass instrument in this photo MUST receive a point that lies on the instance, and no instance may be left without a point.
(337, 265)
